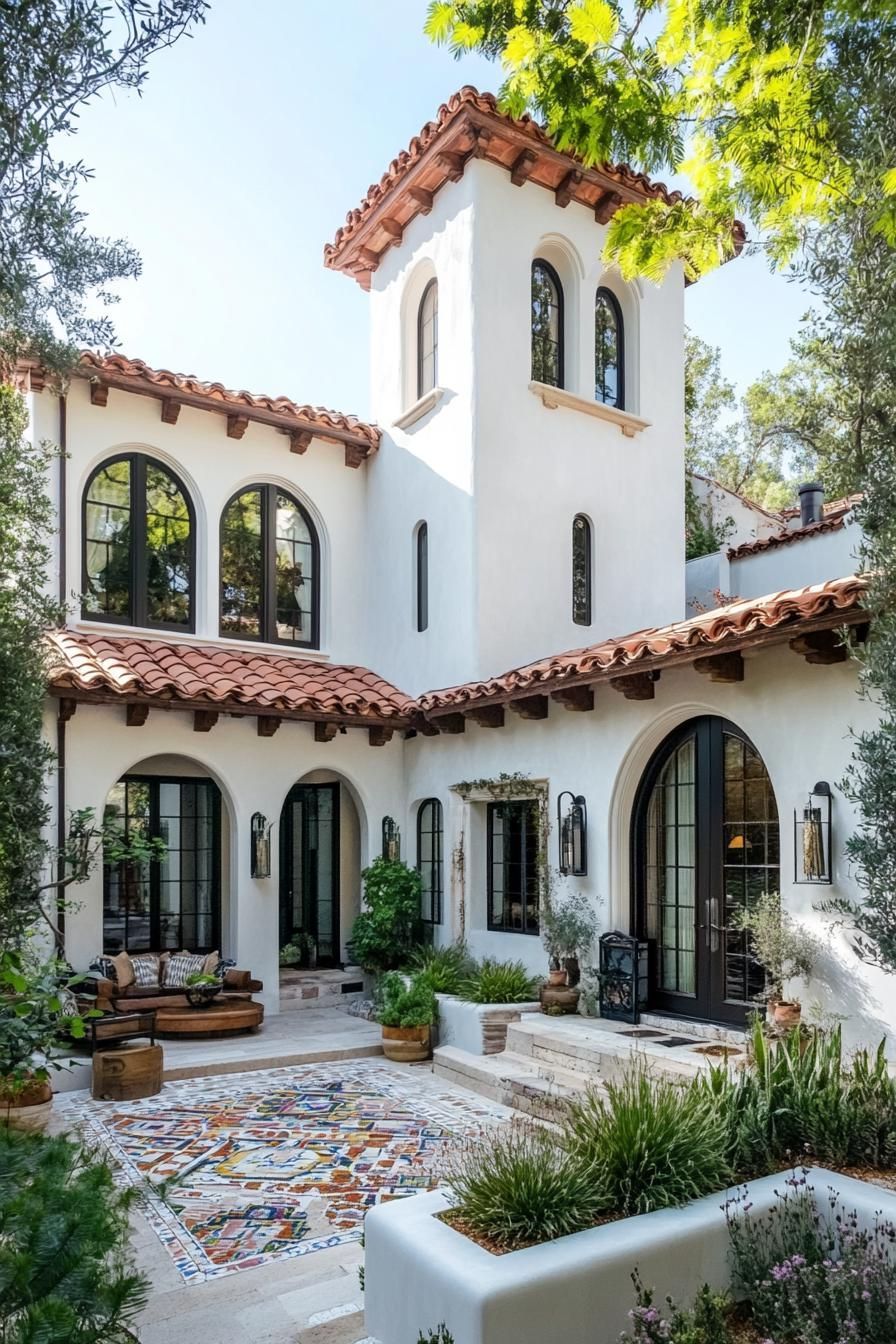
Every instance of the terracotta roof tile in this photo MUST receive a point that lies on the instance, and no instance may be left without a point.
(835, 515)
(712, 631)
(468, 125)
(217, 675)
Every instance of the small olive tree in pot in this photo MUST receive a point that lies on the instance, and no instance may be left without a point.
(783, 948)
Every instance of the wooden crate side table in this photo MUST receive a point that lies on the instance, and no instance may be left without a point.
(127, 1073)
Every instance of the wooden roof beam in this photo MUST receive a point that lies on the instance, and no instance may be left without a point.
(565, 191)
(268, 725)
(325, 732)
(821, 647)
(523, 166)
(204, 720)
(530, 706)
(606, 205)
(237, 426)
(577, 698)
(723, 667)
(299, 440)
(379, 736)
(135, 715)
(487, 716)
(451, 724)
(637, 686)
(170, 410)
(99, 393)
(422, 198)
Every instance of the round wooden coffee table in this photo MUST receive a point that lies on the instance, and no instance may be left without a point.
(217, 1019)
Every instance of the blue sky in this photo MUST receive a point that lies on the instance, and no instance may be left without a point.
(240, 160)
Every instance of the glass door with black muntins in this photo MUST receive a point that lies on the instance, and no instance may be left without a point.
(706, 845)
(309, 870)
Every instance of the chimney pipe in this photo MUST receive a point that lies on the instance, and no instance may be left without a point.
(811, 503)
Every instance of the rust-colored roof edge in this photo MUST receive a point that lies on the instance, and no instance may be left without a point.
(786, 537)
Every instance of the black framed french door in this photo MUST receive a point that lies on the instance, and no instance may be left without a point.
(173, 903)
(706, 844)
(309, 869)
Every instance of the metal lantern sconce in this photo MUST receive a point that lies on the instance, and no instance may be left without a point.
(261, 845)
(391, 839)
(572, 826)
(812, 837)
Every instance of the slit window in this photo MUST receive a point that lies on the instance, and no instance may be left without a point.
(581, 570)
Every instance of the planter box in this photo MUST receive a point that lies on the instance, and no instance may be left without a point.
(480, 1028)
(577, 1289)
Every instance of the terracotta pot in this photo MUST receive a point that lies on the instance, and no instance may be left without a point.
(28, 1109)
(558, 976)
(407, 1045)
(786, 1013)
(559, 1000)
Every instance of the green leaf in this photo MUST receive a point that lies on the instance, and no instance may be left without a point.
(593, 22)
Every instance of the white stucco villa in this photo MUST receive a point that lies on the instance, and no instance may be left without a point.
(271, 598)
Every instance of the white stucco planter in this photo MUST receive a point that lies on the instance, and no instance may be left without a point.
(577, 1289)
(480, 1028)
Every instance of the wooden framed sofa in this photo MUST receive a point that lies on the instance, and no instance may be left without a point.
(120, 983)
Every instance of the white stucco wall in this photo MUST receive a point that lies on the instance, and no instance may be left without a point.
(816, 557)
(741, 519)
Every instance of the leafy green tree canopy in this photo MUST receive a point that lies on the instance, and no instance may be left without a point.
(58, 55)
(741, 96)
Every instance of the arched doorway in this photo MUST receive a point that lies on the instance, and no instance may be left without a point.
(310, 871)
(706, 844)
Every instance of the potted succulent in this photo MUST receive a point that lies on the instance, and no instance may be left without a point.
(407, 1012)
(201, 989)
(784, 949)
(33, 1019)
(568, 930)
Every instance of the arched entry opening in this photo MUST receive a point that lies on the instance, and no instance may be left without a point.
(173, 901)
(705, 845)
(320, 865)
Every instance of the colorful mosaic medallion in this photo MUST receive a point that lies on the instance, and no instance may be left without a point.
(241, 1169)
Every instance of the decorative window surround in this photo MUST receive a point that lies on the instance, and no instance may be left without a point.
(552, 397)
(421, 407)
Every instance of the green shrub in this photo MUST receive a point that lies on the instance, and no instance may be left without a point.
(388, 929)
(708, 1321)
(649, 1144)
(519, 1186)
(406, 1005)
(440, 1335)
(445, 967)
(65, 1268)
(499, 982)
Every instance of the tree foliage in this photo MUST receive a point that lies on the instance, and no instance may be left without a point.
(57, 56)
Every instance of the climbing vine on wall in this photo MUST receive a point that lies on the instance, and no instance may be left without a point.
(516, 787)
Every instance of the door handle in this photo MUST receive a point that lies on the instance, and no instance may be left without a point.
(711, 927)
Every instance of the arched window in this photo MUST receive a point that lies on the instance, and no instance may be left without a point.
(428, 339)
(429, 859)
(581, 570)
(270, 562)
(138, 545)
(609, 348)
(706, 845)
(547, 324)
(422, 575)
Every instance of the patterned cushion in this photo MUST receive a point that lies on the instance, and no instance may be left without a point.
(103, 966)
(179, 967)
(224, 965)
(146, 969)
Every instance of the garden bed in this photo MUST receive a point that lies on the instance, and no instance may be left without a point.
(576, 1288)
(480, 1028)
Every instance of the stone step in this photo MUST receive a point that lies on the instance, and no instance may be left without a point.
(320, 989)
(531, 1087)
(601, 1053)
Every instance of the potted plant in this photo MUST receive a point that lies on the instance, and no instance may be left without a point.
(406, 1013)
(290, 954)
(33, 1018)
(389, 928)
(201, 989)
(784, 949)
(568, 930)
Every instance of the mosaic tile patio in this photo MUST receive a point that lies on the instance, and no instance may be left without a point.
(243, 1169)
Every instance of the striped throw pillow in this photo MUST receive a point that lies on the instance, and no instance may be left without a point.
(179, 967)
(146, 970)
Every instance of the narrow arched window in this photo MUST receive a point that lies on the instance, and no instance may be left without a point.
(422, 575)
(138, 555)
(547, 324)
(428, 339)
(429, 859)
(581, 570)
(609, 348)
(270, 559)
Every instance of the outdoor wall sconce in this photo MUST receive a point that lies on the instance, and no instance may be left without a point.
(572, 826)
(391, 839)
(261, 845)
(624, 976)
(812, 838)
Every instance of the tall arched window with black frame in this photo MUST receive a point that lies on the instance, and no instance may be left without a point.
(609, 350)
(430, 842)
(428, 339)
(139, 545)
(421, 578)
(547, 324)
(270, 562)
(581, 570)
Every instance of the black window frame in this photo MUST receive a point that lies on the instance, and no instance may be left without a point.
(268, 616)
(155, 868)
(561, 320)
(526, 899)
(421, 578)
(603, 293)
(432, 285)
(138, 559)
(582, 616)
(435, 863)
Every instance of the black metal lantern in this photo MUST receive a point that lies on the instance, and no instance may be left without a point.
(261, 845)
(624, 976)
(812, 838)
(391, 839)
(572, 827)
